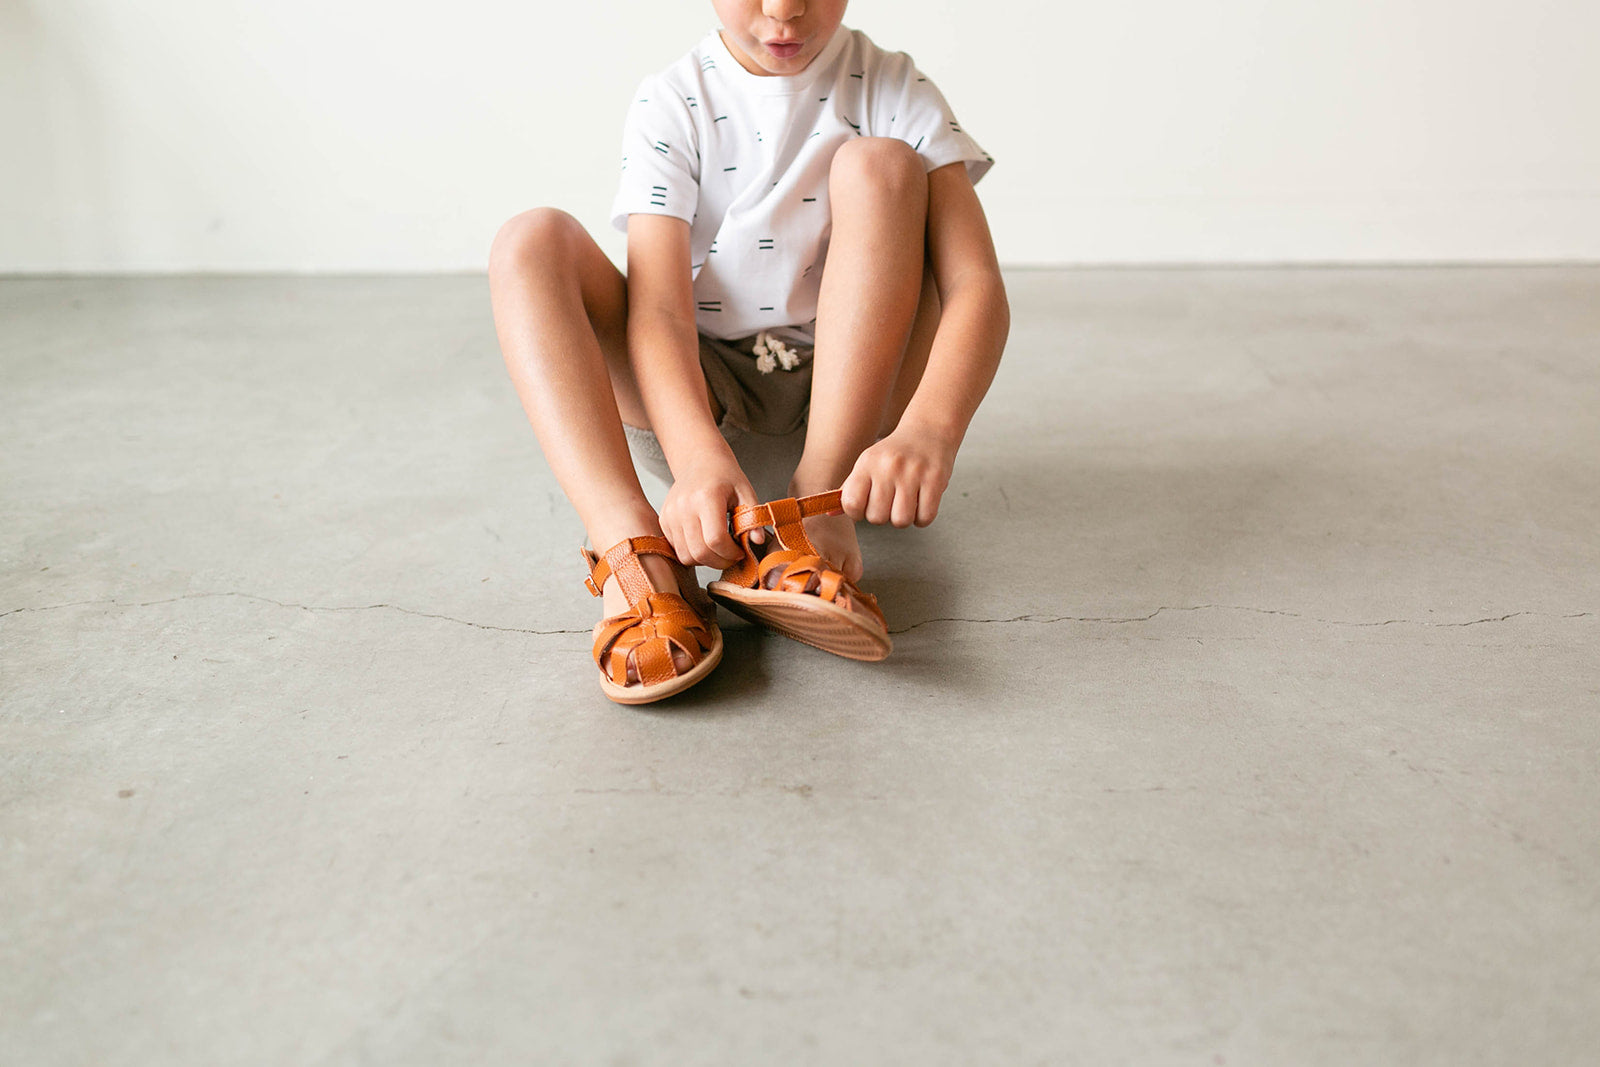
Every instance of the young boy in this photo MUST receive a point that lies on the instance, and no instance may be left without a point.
(805, 252)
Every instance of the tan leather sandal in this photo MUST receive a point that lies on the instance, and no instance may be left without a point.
(654, 623)
(794, 590)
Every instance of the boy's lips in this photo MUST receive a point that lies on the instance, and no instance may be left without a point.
(784, 49)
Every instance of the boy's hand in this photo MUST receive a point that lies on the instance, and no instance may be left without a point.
(899, 480)
(695, 514)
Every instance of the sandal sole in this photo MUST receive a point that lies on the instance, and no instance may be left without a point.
(807, 619)
(649, 694)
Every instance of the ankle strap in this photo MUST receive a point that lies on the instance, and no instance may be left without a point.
(622, 559)
(785, 515)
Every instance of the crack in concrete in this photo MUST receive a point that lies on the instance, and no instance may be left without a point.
(1027, 618)
(300, 607)
(1120, 619)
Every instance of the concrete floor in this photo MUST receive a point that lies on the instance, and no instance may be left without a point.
(1245, 707)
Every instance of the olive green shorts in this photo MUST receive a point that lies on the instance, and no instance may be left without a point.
(763, 413)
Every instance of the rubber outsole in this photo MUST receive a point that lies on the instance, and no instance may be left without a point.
(807, 619)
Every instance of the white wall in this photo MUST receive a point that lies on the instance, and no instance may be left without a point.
(397, 135)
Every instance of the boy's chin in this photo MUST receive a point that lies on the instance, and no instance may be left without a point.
(784, 66)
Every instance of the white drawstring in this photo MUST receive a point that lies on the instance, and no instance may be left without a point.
(772, 353)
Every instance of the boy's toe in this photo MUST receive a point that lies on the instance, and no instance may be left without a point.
(681, 662)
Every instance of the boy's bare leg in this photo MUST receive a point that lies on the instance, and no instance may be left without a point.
(918, 349)
(561, 313)
(872, 287)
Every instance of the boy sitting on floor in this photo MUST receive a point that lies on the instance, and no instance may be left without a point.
(806, 256)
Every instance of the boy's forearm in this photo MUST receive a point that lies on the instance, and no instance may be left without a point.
(974, 322)
(666, 365)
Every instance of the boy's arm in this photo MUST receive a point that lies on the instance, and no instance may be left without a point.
(664, 350)
(901, 478)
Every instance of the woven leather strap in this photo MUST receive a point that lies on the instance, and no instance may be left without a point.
(800, 568)
(784, 517)
(654, 621)
(646, 633)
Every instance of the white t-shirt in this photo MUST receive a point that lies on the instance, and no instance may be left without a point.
(743, 158)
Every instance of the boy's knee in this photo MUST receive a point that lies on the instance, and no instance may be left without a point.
(877, 164)
(543, 234)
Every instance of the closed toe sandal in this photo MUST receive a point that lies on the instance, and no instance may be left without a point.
(654, 624)
(794, 590)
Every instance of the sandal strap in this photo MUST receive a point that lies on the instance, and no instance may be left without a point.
(647, 632)
(796, 571)
(622, 561)
(784, 517)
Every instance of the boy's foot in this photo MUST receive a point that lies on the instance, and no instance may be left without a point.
(834, 537)
(614, 603)
(659, 635)
(802, 588)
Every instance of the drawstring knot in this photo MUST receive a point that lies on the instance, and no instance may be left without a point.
(772, 353)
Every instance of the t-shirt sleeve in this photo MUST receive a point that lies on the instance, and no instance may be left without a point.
(913, 109)
(660, 157)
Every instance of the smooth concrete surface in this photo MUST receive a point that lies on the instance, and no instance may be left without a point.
(1245, 706)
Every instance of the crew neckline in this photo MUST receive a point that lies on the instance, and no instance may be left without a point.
(782, 84)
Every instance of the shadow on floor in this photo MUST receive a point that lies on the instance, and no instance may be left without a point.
(1059, 535)
(727, 691)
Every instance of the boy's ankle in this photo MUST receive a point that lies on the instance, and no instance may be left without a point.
(613, 529)
(663, 579)
(809, 483)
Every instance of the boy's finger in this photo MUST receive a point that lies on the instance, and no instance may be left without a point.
(675, 538)
(880, 502)
(719, 543)
(927, 506)
(745, 494)
(904, 509)
(853, 496)
(694, 544)
(690, 553)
